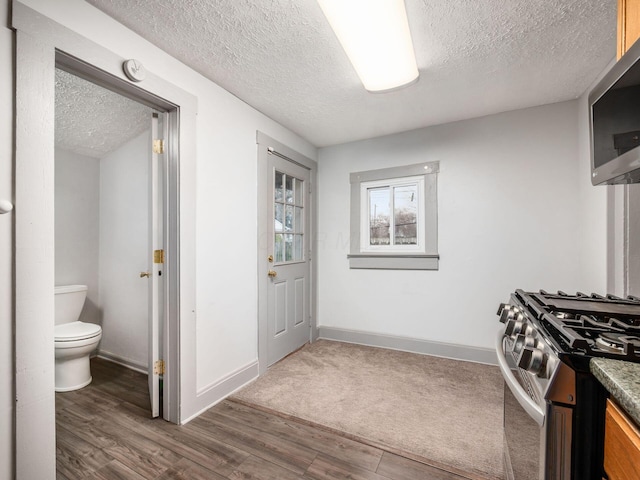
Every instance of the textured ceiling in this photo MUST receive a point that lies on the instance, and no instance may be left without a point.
(93, 121)
(475, 58)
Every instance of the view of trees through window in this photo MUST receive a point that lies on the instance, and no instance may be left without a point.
(402, 200)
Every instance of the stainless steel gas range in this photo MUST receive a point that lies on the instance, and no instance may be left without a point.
(553, 406)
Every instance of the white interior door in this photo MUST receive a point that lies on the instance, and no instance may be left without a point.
(288, 233)
(156, 259)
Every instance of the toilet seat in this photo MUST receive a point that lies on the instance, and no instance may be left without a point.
(74, 331)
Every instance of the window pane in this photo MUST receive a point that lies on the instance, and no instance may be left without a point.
(297, 247)
(379, 216)
(277, 186)
(299, 227)
(278, 247)
(299, 191)
(289, 189)
(405, 215)
(288, 248)
(288, 218)
(279, 214)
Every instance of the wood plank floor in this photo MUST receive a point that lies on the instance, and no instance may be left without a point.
(104, 432)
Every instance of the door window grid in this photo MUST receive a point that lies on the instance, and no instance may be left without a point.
(288, 219)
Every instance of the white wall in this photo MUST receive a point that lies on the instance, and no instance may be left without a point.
(7, 393)
(124, 251)
(77, 187)
(225, 163)
(596, 210)
(509, 209)
(593, 211)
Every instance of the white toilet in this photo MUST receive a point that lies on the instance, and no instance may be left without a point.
(74, 340)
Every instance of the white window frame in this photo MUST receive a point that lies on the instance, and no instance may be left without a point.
(365, 215)
(424, 255)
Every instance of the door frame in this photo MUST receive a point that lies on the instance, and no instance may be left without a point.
(171, 287)
(269, 146)
(41, 45)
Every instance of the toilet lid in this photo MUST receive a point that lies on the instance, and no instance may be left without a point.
(68, 332)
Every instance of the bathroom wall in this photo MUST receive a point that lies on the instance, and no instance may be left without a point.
(124, 252)
(101, 241)
(77, 185)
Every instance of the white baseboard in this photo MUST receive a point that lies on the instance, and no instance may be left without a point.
(406, 344)
(125, 362)
(214, 393)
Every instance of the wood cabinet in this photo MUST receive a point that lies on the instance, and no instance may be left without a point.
(628, 24)
(621, 445)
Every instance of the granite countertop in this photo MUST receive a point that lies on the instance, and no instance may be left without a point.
(622, 380)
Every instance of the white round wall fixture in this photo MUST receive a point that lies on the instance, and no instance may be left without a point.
(5, 206)
(134, 70)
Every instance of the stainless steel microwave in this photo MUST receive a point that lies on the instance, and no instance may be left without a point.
(614, 106)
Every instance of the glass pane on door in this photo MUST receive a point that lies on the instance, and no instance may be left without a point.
(297, 248)
(279, 220)
(288, 248)
(288, 218)
(277, 187)
(299, 191)
(278, 247)
(289, 189)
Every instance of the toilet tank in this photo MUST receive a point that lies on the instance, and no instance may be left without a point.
(69, 300)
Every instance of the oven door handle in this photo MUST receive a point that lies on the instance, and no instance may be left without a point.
(531, 407)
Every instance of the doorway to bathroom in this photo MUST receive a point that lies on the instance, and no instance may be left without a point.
(110, 219)
(41, 45)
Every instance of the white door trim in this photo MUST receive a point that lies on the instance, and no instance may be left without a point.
(40, 43)
(264, 143)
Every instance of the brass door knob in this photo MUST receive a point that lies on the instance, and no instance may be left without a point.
(145, 274)
(272, 273)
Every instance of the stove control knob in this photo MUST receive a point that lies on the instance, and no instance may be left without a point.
(522, 341)
(533, 360)
(506, 312)
(513, 327)
(529, 331)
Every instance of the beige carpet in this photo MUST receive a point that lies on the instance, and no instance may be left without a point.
(443, 412)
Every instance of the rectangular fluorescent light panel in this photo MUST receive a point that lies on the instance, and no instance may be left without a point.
(375, 34)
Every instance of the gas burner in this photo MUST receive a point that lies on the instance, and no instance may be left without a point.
(619, 343)
(582, 326)
(608, 345)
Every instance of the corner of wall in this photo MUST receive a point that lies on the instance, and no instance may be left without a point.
(594, 207)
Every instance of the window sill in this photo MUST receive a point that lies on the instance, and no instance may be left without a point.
(390, 261)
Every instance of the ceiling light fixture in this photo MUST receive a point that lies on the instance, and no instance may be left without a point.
(375, 35)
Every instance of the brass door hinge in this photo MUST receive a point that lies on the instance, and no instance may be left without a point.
(158, 367)
(158, 146)
(158, 256)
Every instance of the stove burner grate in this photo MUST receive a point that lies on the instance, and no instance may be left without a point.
(592, 325)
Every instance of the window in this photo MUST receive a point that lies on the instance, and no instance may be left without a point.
(288, 218)
(391, 215)
(394, 218)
